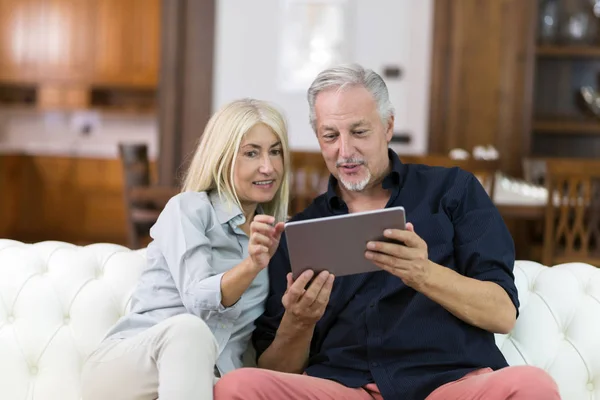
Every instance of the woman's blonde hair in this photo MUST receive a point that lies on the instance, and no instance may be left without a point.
(213, 164)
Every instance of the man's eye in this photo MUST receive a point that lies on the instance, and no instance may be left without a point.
(359, 132)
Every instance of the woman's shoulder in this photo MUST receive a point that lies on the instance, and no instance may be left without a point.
(190, 204)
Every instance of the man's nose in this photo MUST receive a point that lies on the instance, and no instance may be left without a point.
(345, 147)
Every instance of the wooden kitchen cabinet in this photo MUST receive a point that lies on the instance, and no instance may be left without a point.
(126, 43)
(20, 40)
(65, 43)
(483, 60)
(10, 190)
(80, 43)
(72, 199)
(77, 200)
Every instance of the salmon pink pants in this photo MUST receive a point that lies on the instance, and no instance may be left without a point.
(514, 383)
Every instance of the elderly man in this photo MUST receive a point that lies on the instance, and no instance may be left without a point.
(422, 327)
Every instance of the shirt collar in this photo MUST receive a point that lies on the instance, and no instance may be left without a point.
(227, 211)
(391, 181)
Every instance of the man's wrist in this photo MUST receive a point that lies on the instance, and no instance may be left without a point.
(290, 327)
(433, 277)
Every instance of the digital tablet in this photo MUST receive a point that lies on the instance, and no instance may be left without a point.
(338, 244)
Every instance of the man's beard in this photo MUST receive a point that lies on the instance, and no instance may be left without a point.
(355, 186)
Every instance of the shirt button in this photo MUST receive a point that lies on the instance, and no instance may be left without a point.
(374, 364)
(372, 305)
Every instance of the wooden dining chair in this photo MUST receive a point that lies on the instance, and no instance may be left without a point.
(572, 223)
(484, 170)
(309, 177)
(142, 199)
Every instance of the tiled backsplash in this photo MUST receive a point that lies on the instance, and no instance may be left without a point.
(62, 133)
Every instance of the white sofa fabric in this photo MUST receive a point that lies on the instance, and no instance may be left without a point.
(57, 300)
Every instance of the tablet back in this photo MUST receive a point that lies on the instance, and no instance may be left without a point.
(338, 244)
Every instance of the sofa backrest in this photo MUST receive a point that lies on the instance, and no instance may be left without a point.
(57, 301)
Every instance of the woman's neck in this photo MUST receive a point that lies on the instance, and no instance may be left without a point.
(249, 211)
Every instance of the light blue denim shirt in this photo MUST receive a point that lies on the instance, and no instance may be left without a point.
(195, 241)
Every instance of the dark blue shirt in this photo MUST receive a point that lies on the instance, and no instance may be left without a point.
(377, 329)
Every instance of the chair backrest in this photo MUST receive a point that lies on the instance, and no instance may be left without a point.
(136, 173)
(309, 177)
(484, 170)
(572, 231)
(136, 165)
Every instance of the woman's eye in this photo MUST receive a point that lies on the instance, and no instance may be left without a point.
(276, 152)
(251, 154)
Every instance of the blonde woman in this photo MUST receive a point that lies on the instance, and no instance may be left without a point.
(206, 281)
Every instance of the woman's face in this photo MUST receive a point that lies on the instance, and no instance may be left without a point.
(259, 166)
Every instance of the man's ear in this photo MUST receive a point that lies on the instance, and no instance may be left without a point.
(389, 129)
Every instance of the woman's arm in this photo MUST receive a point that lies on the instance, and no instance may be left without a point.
(180, 234)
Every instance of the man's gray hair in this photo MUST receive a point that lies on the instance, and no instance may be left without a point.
(350, 75)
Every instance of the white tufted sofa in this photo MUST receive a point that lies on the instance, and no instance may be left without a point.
(57, 300)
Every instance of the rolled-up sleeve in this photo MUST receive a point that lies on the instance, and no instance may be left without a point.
(484, 248)
(181, 235)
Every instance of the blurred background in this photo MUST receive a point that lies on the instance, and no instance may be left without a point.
(103, 101)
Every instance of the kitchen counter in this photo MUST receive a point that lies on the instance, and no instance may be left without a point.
(80, 148)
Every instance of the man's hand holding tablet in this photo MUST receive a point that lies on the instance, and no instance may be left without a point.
(338, 244)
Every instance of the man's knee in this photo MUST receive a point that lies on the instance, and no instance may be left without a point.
(240, 383)
(529, 382)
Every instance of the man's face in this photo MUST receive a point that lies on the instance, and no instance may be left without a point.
(352, 137)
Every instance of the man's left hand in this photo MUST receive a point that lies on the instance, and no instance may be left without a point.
(408, 260)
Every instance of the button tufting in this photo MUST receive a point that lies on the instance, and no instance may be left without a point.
(11, 319)
(33, 370)
(590, 387)
(67, 320)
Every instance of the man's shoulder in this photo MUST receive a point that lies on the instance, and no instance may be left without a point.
(436, 179)
(432, 173)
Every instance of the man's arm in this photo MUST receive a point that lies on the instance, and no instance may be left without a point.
(290, 348)
(479, 303)
(482, 293)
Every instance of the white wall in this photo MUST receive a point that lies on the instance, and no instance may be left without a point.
(383, 32)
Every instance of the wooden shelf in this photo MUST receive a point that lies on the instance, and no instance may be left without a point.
(567, 126)
(568, 51)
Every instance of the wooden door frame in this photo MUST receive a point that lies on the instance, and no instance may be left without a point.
(185, 83)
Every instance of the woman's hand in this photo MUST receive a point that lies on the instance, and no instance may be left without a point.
(264, 240)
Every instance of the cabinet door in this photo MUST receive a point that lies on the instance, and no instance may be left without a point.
(126, 44)
(20, 40)
(482, 76)
(66, 27)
